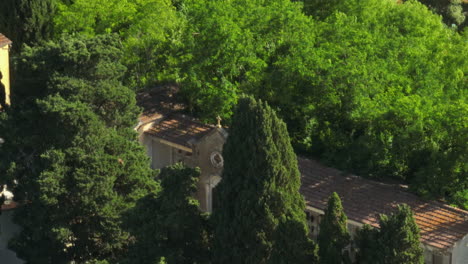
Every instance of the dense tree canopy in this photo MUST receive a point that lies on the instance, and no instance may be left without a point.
(169, 225)
(378, 93)
(149, 30)
(229, 45)
(374, 87)
(383, 95)
(70, 145)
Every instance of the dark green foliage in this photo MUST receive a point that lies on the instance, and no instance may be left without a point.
(70, 144)
(78, 69)
(453, 12)
(27, 21)
(262, 217)
(334, 237)
(376, 93)
(368, 101)
(380, 94)
(367, 243)
(397, 240)
(169, 225)
(76, 212)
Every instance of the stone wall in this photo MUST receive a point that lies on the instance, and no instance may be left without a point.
(460, 252)
(207, 152)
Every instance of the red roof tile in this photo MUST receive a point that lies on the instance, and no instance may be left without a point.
(159, 101)
(4, 40)
(9, 206)
(180, 130)
(363, 200)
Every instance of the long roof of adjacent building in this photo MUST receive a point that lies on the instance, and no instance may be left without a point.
(441, 225)
(4, 40)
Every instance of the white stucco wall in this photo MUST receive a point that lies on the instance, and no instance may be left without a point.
(460, 252)
(161, 155)
(7, 231)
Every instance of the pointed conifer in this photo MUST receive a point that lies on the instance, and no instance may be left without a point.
(260, 217)
(333, 236)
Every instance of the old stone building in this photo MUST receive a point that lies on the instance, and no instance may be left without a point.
(176, 138)
(171, 138)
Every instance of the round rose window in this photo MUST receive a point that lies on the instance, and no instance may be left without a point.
(216, 159)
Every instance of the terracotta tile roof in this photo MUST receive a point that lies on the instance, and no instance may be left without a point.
(179, 130)
(159, 101)
(363, 200)
(4, 40)
(11, 205)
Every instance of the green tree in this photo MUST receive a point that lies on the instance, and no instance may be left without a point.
(365, 91)
(71, 146)
(27, 21)
(399, 238)
(76, 213)
(77, 68)
(169, 225)
(149, 29)
(366, 242)
(366, 101)
(262, 217)
(228, 47)
(396, 241)
(333, 237)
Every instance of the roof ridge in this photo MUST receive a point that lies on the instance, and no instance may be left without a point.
(441, 224)
(397, 186)
(4, 40)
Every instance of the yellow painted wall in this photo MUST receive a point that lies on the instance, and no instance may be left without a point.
(5, 68)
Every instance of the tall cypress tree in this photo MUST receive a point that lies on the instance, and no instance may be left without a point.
(334, 236)
(27, 21)
(260, 216)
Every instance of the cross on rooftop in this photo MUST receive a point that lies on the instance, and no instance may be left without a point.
(219, 121)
